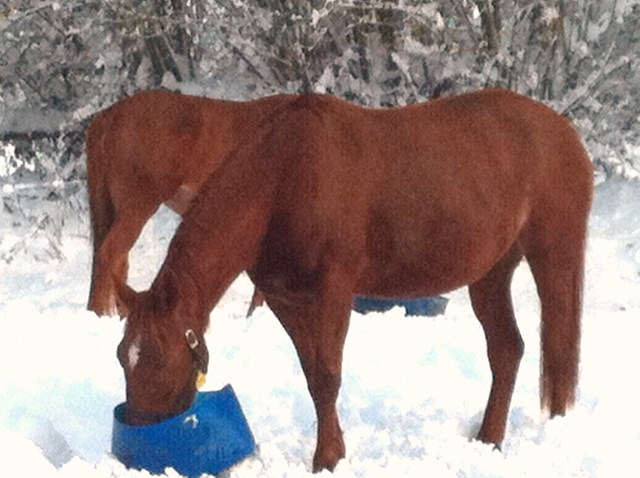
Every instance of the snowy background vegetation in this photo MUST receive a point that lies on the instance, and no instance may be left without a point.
(63, 61)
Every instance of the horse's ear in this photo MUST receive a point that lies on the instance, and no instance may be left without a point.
(126, 297)
(166, 296)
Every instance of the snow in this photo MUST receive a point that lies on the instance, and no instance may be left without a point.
(413, 392)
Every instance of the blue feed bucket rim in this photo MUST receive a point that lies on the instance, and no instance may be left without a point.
(227, 438)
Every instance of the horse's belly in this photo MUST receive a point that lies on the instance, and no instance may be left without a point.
(418, 280)
(429, 261)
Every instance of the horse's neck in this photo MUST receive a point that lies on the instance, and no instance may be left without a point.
(220, 235)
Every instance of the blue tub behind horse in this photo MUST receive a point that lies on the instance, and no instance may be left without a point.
(430, 306)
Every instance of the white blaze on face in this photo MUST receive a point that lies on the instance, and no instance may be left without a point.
(134, 353)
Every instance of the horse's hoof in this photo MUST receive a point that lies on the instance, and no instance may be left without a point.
(318, 467)
(329, 461)
(481, 437)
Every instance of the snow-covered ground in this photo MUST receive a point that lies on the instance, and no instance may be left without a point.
(413, 392)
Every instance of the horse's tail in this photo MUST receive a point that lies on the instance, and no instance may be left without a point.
(559, 271)
(101, 207)
(560, 350)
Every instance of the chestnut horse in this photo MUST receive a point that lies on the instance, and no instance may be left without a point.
(152, 148)
(329, 199)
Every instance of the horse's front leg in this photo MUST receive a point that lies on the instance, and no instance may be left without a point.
(317, 324)
(324, 376)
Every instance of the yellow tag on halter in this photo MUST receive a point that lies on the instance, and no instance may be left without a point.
(200, 381)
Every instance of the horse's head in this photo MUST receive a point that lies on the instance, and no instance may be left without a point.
(162, 356)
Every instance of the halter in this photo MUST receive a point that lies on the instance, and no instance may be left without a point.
(192, 340)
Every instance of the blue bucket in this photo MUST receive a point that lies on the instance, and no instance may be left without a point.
(210, 436)
(430, 306)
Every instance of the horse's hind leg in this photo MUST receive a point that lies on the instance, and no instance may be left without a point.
(111, 257)
(558, 274)
(491, 301)
(317, 322)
